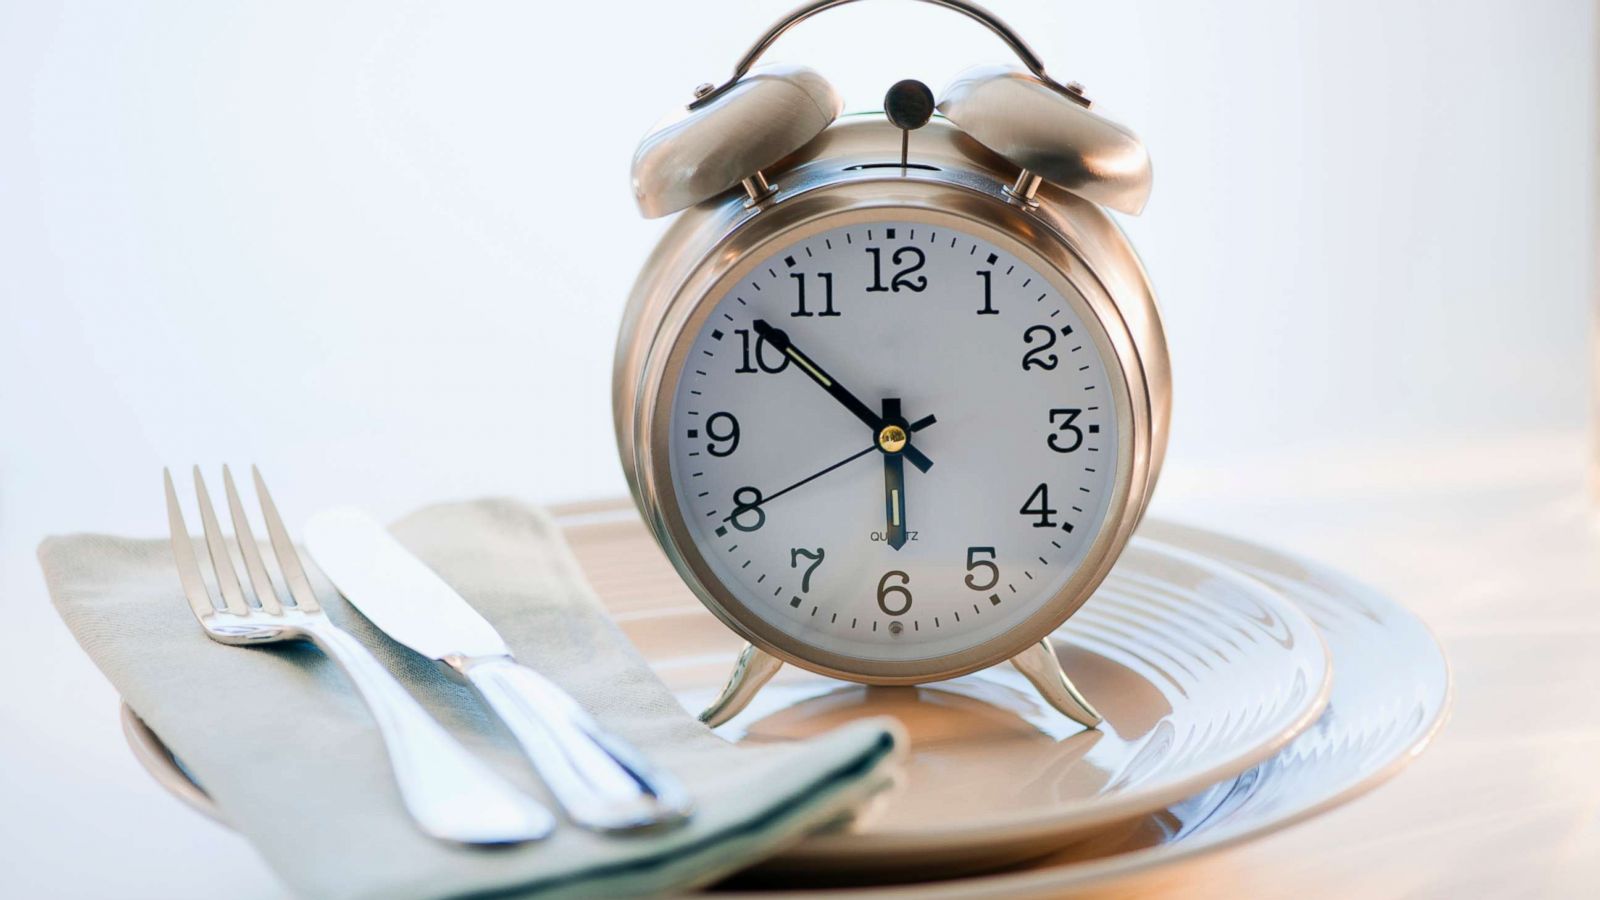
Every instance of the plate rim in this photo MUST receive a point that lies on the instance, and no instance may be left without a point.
(1077, 874)
(1037, 881)
(1057, 824)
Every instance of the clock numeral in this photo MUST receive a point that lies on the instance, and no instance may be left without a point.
(730, 437)
(1040, 496)
(975, 564)
(747, 503)
(800, 295)
(794, 563)
(755, 358)
(988, 300)
(901, 278)
(885, 589)
(1070, 416)
(1038, 358)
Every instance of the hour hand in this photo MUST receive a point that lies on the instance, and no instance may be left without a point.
(894, 483)
(778, 338)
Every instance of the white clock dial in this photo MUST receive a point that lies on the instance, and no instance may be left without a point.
(790, 495)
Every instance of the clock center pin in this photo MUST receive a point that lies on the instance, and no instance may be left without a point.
(893, 439)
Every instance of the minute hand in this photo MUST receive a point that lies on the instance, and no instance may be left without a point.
(779, 339)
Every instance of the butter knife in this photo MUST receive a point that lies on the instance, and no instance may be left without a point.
(601, 782)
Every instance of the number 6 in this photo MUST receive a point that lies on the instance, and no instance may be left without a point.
(885, 589)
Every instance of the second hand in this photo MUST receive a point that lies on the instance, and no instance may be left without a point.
(740, 510)
(918, 425)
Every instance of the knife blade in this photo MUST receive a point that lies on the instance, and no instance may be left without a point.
(397, 591)
(601, 782)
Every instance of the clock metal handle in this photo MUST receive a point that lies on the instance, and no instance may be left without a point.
(971, 10)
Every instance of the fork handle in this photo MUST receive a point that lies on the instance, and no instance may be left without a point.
(604, 784)
(451, 794)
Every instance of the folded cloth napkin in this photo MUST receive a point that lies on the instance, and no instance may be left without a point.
(279, 739)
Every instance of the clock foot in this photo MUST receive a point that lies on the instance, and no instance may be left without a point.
(1040, 665)
(754, 669)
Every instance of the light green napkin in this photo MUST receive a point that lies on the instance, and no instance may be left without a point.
(282, 743)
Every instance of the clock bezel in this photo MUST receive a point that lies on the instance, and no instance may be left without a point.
(945, 198)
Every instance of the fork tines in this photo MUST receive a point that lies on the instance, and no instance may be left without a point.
(263, 597)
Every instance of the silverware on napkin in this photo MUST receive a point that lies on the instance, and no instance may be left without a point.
(603, 784)
(452, 795)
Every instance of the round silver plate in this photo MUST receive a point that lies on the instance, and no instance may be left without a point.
(1389, 694)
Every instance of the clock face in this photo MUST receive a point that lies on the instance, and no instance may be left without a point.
(894, 441)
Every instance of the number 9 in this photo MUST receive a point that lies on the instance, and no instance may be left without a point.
(729, 436)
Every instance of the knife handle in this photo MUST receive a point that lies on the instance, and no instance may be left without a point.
(603, 784)
(451, 794)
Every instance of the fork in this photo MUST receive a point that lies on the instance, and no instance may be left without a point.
(451, 794)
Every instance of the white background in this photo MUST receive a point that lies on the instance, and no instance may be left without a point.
(381, 249)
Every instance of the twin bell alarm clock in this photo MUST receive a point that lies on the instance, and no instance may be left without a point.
(892, 393)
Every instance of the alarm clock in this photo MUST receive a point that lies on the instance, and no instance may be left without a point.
(892, 392)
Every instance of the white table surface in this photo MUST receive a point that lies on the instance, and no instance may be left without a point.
(381, 250)
(1491, 540)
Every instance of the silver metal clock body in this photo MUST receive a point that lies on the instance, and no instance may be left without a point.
(1058, 269)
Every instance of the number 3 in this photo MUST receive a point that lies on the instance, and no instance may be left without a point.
(1054, 440)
